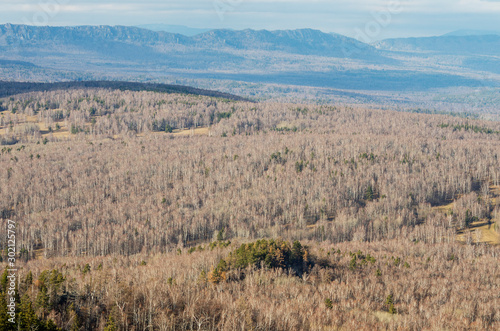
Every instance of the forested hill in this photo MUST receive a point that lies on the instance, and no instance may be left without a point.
(13, 88)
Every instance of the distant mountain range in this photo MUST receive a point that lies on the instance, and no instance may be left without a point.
(93, 38)
(178, 29)
(299, 57)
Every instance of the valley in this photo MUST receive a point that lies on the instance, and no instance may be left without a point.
(247, 179)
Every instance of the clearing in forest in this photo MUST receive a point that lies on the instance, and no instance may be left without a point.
(482, 230)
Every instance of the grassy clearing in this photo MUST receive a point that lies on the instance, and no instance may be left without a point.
(386, 317)
(191, 132)
(39, 254)
(482, 231)
(64, 131)
(444, 208)
(45, 131)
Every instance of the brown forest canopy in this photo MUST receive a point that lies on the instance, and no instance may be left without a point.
(296, 171)
(126, 221)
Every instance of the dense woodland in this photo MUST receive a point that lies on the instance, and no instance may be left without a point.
(115, 212)
(394, 284)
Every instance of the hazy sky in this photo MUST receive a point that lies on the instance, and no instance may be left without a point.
(364, 19)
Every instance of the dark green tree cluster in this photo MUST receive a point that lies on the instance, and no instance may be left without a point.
(389, 303)
(360, 259)
(220, 244)
(469, 127)
(284, 129)
(469, 219)
(222, 115)
(371, 193)
(26, 317)
(162, 126)
(50, 291)
(269, 254)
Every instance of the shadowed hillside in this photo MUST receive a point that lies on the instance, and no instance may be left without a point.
(13, 88)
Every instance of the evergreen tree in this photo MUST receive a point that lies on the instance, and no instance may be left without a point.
(110, 325)
(369, 194)
(73, 317)
(389, 302)
(27, 317)
(29, 278)
(3, 281)
(42, 299)
(4, 318)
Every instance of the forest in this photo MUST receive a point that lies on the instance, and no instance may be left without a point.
(140, 209)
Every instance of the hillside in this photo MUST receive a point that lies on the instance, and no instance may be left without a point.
(182, 211)
(177, 210)
(305, 41)
(13, 88)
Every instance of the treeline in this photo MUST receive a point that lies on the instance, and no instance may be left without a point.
(14, 88)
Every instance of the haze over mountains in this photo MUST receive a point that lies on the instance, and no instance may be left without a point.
(472, 33)
(297, 57)
(180, 29)
(447, 44)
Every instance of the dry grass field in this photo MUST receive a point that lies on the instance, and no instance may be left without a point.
(482, 231)
(63, 131)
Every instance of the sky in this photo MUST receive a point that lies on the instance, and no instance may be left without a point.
(366, 20)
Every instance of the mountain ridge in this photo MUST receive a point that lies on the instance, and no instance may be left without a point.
(301, 41)
(304, 56)
(177, 29)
